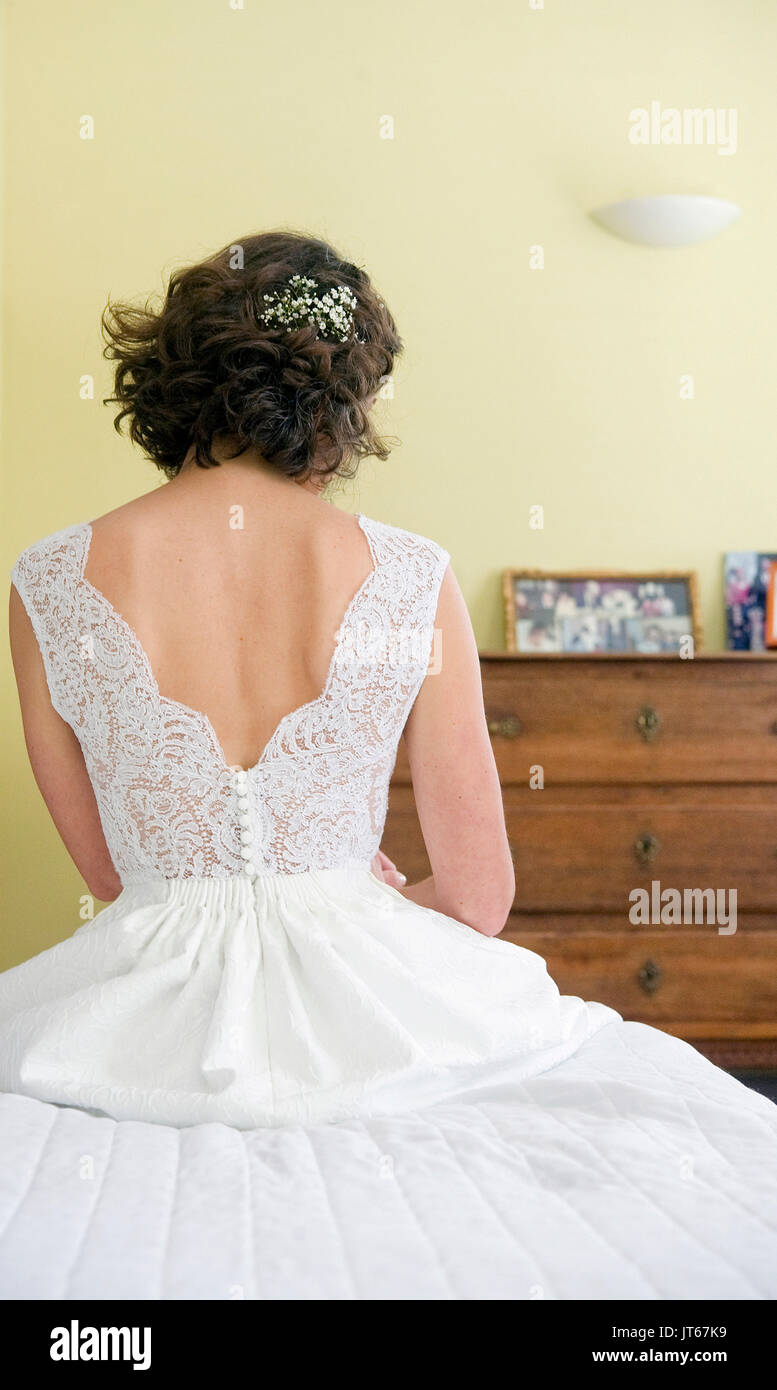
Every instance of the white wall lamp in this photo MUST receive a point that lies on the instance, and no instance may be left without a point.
(667, 220)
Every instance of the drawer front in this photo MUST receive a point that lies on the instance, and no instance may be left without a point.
(602, 722)
(577, 857)
(588, 858)
(703, 984)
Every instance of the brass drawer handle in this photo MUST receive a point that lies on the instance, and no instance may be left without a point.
(508, 727)
(650, 977)
(648, 722)
(646, 848)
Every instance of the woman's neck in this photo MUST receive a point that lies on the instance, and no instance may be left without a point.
(246, 471)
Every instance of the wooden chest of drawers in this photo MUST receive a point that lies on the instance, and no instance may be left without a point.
(651, 770)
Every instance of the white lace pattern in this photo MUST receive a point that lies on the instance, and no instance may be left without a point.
(170, 805)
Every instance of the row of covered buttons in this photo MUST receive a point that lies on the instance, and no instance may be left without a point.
(244, 821)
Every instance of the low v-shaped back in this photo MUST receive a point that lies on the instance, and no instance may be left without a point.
(350, 617)
(170, 805)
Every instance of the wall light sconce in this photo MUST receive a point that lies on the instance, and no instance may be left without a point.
(667, 220)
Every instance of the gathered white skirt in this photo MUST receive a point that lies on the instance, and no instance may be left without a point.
(281, 1000)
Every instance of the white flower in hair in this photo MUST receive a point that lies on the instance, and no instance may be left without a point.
(299, 303)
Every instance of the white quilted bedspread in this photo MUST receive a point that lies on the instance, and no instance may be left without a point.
(635, 1170)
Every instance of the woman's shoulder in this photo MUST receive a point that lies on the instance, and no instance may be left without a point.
(68, 547)
(389, 541)
(62, 549)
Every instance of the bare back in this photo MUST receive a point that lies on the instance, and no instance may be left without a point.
(235, 591)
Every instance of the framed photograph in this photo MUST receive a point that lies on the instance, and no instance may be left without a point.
(745, 587)
(770, 634)
(601, 613)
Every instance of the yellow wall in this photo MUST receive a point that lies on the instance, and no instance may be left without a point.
(559, 387)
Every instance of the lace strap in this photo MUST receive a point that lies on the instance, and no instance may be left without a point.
(46, 577)
(435, 564)
(410, 571)
(389, 543)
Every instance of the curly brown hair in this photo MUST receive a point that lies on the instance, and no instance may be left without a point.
(204, 366)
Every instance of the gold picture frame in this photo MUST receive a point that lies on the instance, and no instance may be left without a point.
(618, 602)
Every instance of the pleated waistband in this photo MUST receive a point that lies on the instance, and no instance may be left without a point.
(239, 888)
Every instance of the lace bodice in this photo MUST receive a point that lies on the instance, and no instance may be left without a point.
(169, 803)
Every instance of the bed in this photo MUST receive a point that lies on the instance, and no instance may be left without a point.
(634, 1170)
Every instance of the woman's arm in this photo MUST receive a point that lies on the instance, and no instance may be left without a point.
(456, 784)
(58, 763)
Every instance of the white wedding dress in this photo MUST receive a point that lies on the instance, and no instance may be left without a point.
(253, 970)
(350, 1096)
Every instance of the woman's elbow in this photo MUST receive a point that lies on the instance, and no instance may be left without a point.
(487, 907)
(492, 920)
(504, 898)
(104, 885)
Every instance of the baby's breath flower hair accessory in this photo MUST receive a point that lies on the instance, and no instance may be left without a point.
(300, 301)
